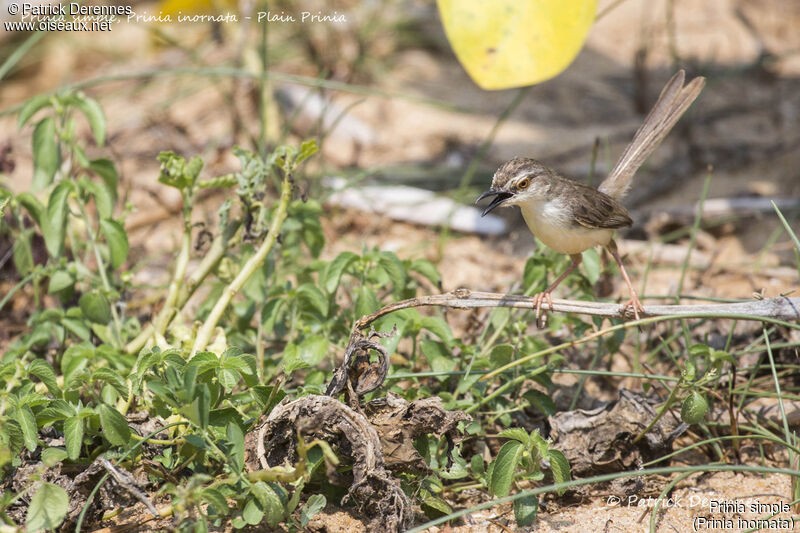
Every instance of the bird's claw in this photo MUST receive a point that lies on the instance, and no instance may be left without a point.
(538, 300)
(635, 305)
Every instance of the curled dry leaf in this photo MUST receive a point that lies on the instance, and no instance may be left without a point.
(601, 441)
(398, 422)
(376, 493)
(357, 368)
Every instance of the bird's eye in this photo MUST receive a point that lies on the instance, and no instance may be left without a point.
(523, 184)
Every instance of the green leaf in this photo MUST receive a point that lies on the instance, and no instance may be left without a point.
(75, 359)
(458, 470)
(204, 361)
(236, 439)
(438, 356)
(45, 153)
(94, 114)
(117, 241)
(312, 299)
(23, 253)
(73, 436)
(16, 441)
(366, 302)
(517, 434)
(80, 156)
(434, 507)
(291, 359)
(591, 265)
(270, 313)
(694, 408)
(197, 441)
(525, 509)
(108, 173)
(53, 456)
(252, 513)
(95, 307)
(177, 172)
(111, 377)
(244, 363)
(228, 378)
(541, 401)
(313, 349)
(78, 327)
(438, 327)
(501, 355)
(32, 205)
(103, 200)
(47, 509)
(427, 269)
(533, 273)
(559, 466)
(56, 410)
(335, 270)
(26, 420)
(700, 350)
(721, 356)
(60, 280)
(504, 468)
(313, 236)
(315, 504)
(394, 269)
(477, 465)
(270, 502)
(307, 149)
(42, 370)
(115, 427)
(30, 108)
(539, 445)
(54, 224)
(201, 406)
(216, 499)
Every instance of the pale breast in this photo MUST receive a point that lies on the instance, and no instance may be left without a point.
(553, 225)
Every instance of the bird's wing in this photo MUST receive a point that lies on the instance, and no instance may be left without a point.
(599, 211)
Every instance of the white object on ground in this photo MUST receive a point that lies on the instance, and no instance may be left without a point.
(415, 205)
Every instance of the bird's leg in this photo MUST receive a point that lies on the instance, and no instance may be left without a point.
(545, 294)
(634, 302)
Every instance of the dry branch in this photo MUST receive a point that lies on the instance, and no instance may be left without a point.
(781, 308)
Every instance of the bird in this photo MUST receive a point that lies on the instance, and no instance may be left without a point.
(571, 217)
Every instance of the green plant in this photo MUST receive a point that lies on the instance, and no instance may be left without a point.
(85, 364)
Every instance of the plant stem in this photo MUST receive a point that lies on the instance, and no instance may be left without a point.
(101, 267)
(255, 262)
(661, 412)
(218, 248)
(166, 313)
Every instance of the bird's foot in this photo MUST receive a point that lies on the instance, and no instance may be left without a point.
(634, 304)
(538, 300)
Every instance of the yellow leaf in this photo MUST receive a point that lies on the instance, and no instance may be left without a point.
(511, 43)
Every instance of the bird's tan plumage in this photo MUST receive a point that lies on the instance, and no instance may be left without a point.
(570, 217)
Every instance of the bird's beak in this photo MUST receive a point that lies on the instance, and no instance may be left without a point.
(499, 198)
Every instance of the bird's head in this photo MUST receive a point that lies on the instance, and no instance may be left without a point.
(515, 182)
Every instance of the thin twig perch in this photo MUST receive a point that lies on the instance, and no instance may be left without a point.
(781, 308)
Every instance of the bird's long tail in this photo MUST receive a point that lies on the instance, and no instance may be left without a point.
(673, 102)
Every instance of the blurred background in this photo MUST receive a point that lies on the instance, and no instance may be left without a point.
(378, 84)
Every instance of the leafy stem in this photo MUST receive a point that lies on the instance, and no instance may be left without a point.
(255, 262)
(101, 268)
